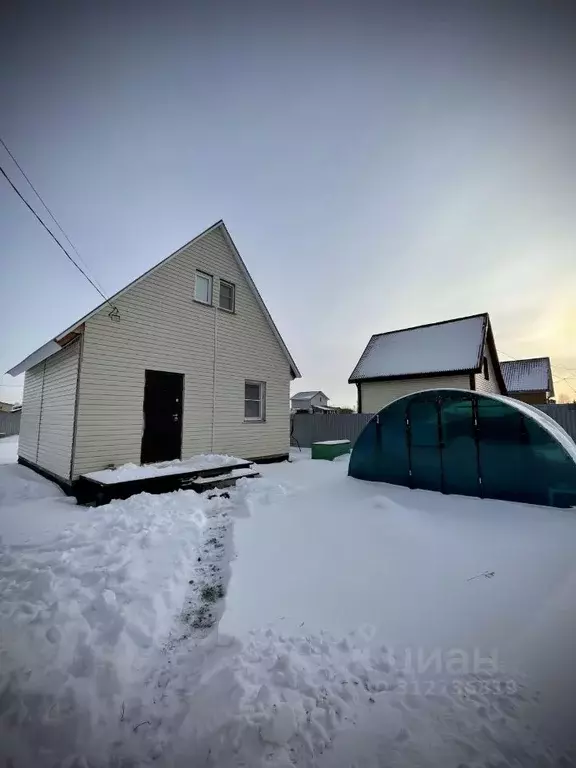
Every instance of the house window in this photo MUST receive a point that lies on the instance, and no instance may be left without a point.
(227, 296)
(203, 288)
(485, 369)
(255, 401)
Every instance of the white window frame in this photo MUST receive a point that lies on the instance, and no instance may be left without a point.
(261, 400)
(210, 279)
(230, 285)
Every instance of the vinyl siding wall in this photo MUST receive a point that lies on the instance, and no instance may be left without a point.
(491, 385)
(47, 426)
(30, 420)
(376, 394)
(163, 328)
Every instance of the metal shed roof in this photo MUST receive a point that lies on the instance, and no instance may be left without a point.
(307, 395)
(530, 375)
(437, 348)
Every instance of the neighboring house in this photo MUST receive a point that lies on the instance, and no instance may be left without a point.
(309, 401)
(6, 407)
(457, 353)
(529, 380)
(184, 360)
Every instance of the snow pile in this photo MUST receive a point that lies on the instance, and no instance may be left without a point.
(137, 472)
(83, 614)
(275, 701)
(315, 700)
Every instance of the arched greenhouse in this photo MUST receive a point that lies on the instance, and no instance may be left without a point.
(469, 443)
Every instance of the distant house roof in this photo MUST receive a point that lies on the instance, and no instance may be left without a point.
(451, 346)
(307, 395)
(531, 375)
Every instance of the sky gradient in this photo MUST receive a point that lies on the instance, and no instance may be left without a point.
(378, 165)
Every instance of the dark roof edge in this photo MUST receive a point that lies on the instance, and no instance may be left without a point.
(496, 362)
(426, 375)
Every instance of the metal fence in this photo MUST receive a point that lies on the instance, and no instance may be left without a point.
(9, 423)
(310, 428)
(565, 415)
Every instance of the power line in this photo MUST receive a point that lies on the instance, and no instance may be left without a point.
(53, 236)
(570, 370)
(565, 381)
(39, 196)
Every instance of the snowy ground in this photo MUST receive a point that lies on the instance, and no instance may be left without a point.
(310, 619)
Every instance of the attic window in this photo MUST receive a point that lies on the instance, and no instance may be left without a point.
(227, 296)
(203, 288)
(485, 369)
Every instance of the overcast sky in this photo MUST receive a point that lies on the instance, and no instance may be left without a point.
(378, 165)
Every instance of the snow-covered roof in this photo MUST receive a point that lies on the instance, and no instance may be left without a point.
(55, 344)
(446, 347)
(307, 395)
(532, 375)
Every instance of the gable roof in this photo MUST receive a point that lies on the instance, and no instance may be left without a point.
(531, 375)
(55, 344)
(435, 349)
(307, 395)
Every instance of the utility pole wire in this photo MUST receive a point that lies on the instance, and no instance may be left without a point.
(53, 236)
(39, 196)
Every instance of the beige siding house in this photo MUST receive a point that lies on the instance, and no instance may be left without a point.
(458, 353)
(184, 360)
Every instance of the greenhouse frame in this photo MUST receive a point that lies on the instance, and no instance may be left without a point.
(469, 443)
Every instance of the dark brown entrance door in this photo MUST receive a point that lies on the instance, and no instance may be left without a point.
(162, 437)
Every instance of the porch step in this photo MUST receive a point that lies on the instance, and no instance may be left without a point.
(225, 480)
(89, 490)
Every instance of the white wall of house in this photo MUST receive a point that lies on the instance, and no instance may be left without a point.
(161, 327)
(489, 385)
(376, 394)
(47, 422)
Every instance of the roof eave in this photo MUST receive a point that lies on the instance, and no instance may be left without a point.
(424, 375)
(494, 353)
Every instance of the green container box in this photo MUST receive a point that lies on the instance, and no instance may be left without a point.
(329, 449)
